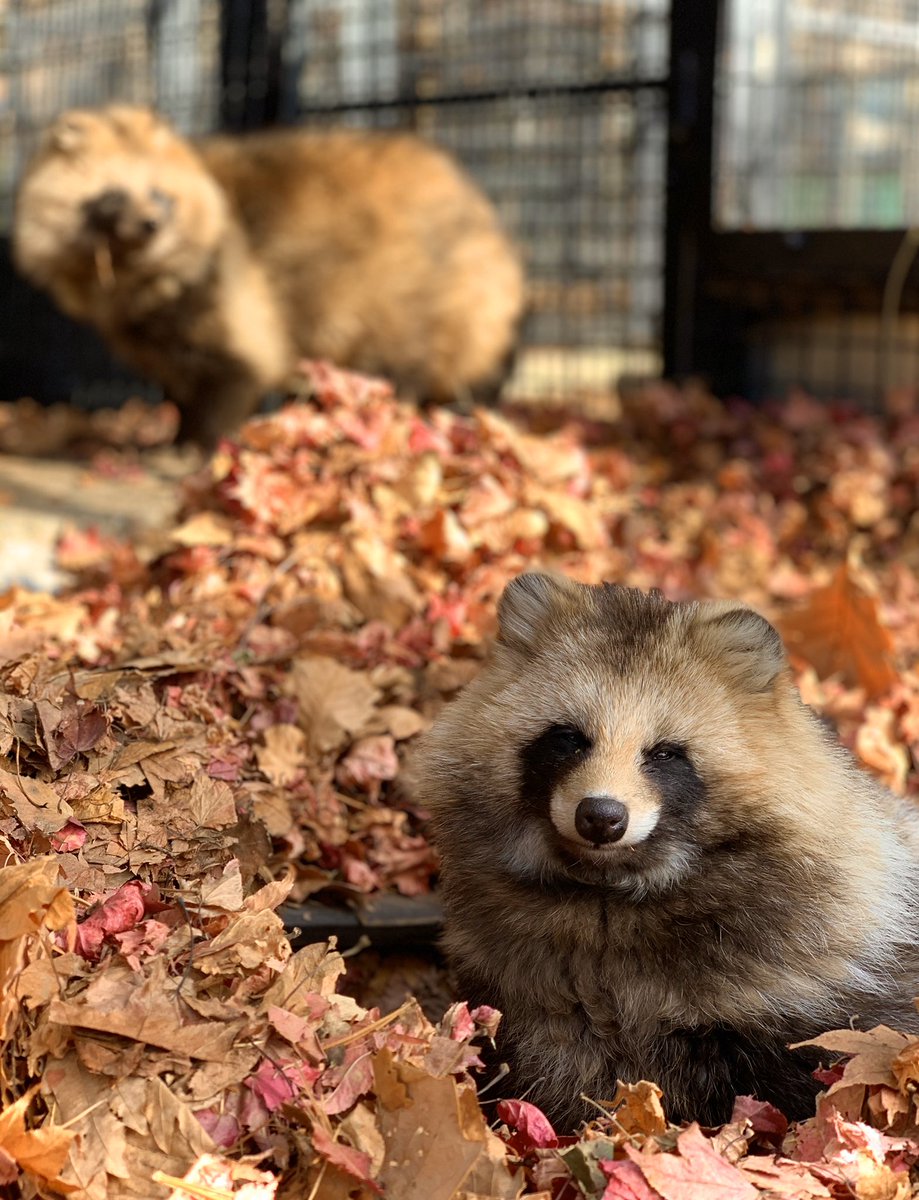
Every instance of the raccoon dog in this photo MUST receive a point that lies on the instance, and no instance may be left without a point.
(656, 862)
(212, 267)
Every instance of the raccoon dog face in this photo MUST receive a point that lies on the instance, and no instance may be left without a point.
(613, 739)
(113, 192)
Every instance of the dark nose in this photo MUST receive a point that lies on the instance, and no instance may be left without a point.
(104, 211)
(601, 820)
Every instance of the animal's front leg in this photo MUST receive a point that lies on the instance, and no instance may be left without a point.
(215, 408)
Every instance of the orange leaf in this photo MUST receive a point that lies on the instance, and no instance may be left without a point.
(43, 1152)
(837, 631)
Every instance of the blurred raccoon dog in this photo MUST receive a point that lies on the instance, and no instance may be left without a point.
(656, 862)
(212, 267)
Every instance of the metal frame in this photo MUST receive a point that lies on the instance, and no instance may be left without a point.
(719, 285)
(251, 63)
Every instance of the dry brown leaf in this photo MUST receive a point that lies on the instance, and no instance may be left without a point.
(283, 755)
(312, 971)
(82, 1104)
(211, 1177)
(579, 517)
(207, 804)
(872, 1054)
(35, 802)
(437, 1141)
(838, 631)
(226, 891)
(251, 940)
(335, 702)
(119, 1001)
(637, 1108)
(402, 722)
(783, 1178)
(271, 896)
(546, 459)
(905, 1068)
(42, 1152)
(203, 529)
(31, 898)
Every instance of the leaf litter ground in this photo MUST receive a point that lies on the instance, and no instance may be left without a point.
(212, 721)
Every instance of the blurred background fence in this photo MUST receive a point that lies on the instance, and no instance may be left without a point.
(714, 188)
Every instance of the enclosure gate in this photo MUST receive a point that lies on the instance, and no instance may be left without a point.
(794, 183)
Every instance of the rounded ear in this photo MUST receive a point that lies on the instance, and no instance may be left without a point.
(743, 641)
(67, 133)
(528, 603)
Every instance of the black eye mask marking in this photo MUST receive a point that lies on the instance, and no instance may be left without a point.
(668, 767)
(546, 760)
(559, 749)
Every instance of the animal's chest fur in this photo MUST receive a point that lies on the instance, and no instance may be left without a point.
(593, 991)
(618, 967)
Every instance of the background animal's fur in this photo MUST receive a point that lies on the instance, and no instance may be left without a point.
(372, 250)
(781, 903)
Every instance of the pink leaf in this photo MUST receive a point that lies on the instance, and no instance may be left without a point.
(356, 1080)
(697, 1173)
(354, 1162)
(487, 1018)
(533, 1130)
(142, 941)
(458, 1023)
(767, 1121)
(222, 1127)
(626, 1182)
(69, 839)
(277, 1083)
(122, 911)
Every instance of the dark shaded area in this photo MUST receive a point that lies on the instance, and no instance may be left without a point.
(387, 921)
(45, 355)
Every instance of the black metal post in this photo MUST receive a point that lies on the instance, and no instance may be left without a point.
(690, 157)
(251, 62)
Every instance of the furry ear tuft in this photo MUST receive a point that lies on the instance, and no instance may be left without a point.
(66, 134)
(528, 603)
(744, 642)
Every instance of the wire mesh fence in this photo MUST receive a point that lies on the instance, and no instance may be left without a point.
(557, 107)
(818, 102)
(58, 54)
(564, 111)
(817, 106)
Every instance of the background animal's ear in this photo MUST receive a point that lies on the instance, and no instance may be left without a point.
(67, 133)
(744, 641)
(528, 603)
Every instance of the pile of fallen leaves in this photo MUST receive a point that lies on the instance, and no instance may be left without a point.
(169, 1041)
(213, 721)
(27, 427)
(167, 1027)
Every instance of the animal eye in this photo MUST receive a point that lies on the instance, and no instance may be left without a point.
(567, 739)
(665, 752)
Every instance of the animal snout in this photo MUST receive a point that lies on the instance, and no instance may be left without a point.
(601, 820)
(105, 211)
(130, 220)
